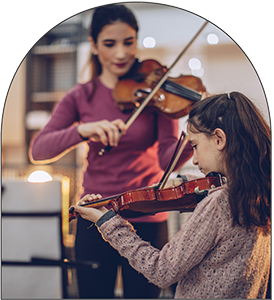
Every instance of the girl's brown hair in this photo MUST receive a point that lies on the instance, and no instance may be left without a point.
(247, 153)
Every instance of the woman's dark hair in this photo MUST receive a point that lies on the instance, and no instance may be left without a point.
(247, 153)
(102, 16)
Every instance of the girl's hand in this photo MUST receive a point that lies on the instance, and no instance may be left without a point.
(173, 182)
(103, 131)
(88, 213)
(89, 198)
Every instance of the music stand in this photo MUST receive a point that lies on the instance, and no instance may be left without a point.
(33, 258)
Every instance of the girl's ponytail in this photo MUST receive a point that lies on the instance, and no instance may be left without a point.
(247, 153)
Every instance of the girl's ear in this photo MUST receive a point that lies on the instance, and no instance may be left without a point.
(93, 46)
(220, 138)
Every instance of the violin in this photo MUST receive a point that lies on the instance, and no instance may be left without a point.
(157, 198)
(150, 82)
(151, 200)
(174, 98)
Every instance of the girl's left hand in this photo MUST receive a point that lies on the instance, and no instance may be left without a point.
(89, 213)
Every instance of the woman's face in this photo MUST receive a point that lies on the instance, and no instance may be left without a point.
(116, 48)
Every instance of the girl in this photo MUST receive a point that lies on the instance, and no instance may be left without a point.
(223, 249)
(89, 113)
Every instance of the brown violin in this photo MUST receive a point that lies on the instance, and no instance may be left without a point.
(149, 78)
(151, 200)
(174, 98)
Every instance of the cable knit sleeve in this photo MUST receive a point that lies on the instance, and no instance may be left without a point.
(185, 250)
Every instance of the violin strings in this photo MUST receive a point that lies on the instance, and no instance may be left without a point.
(182, 91)
(177, 89)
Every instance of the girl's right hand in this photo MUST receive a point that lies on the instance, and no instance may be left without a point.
(103, 131)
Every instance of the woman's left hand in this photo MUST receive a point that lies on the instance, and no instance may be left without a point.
(89, 213)
(205, 95)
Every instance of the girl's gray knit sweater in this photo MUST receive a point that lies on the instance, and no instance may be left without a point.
(208, 257)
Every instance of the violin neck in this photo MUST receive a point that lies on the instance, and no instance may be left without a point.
(101, 202)
(179, 90)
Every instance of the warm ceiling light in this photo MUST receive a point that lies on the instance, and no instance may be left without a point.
(39, 176)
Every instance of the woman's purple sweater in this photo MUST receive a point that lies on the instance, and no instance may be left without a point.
(140, 157)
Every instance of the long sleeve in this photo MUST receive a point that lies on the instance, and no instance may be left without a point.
(185, 250)
(208, 258)
(60, 134)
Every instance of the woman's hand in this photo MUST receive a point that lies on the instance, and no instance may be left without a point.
(205, 95)
(89, 213)
(103, 131)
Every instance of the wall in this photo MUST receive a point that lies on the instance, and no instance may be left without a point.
(13, 129)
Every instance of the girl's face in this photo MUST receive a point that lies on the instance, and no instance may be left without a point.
(116, 48)
(208, 151)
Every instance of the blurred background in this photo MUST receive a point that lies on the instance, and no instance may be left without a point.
(59, 60)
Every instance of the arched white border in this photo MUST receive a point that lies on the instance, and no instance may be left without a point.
(249, 23)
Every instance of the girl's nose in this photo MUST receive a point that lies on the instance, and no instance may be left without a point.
(194, 160)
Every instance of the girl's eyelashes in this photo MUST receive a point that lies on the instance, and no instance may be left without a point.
(194, 146)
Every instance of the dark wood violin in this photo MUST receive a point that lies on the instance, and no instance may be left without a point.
(175, 97)
(151, 200)
(157, 198)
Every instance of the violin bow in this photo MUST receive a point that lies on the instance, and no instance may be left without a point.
(173, 161)
(136, 113)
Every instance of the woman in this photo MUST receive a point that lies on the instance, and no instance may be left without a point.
(138, 158)
(223, 251)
